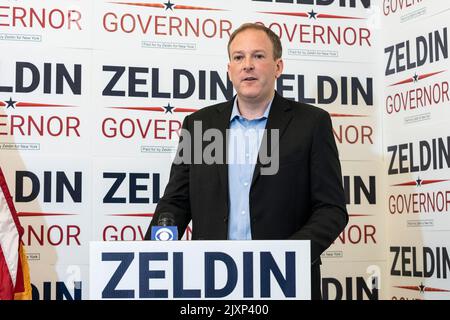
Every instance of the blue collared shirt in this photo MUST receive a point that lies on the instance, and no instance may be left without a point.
(243, 146)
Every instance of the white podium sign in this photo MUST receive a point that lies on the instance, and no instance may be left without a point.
(200, 270)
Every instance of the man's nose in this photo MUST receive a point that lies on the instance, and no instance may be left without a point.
(248, 64)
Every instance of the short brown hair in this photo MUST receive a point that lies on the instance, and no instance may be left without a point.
(276, 43)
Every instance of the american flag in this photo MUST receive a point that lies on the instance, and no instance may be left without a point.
(14, 272)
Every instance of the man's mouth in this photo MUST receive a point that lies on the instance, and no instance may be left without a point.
(249, 79)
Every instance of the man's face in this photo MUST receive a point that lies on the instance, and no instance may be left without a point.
(252, 68)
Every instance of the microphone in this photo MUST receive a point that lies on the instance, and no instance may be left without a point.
(166, 219)
(165, 230)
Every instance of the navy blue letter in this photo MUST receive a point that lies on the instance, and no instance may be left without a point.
(125, 259)
(178, 291)
(210, 290)
(145, 274)
(269, 265)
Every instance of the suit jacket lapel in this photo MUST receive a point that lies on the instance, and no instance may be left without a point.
(279, 118)
(222, 122)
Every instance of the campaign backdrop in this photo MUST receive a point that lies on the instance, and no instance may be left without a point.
(416, 144)
(93, 94)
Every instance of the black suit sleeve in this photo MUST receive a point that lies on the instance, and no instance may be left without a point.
(329, 214)
(176, 194)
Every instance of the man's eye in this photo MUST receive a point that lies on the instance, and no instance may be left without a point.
(237, 58)
(259, 56)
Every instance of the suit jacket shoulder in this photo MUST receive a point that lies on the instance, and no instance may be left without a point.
(303, 109)
(210, 111)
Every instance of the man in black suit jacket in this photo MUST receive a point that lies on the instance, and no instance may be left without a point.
(303, 200)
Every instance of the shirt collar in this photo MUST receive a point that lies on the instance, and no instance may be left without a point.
(236, 114)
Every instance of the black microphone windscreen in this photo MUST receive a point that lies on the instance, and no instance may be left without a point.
(166, 219)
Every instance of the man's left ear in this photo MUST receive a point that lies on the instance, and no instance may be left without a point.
(280, 65)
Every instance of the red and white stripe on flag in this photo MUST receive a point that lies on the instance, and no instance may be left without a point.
(11, 251)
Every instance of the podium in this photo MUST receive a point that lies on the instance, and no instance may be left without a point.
(200, 270)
